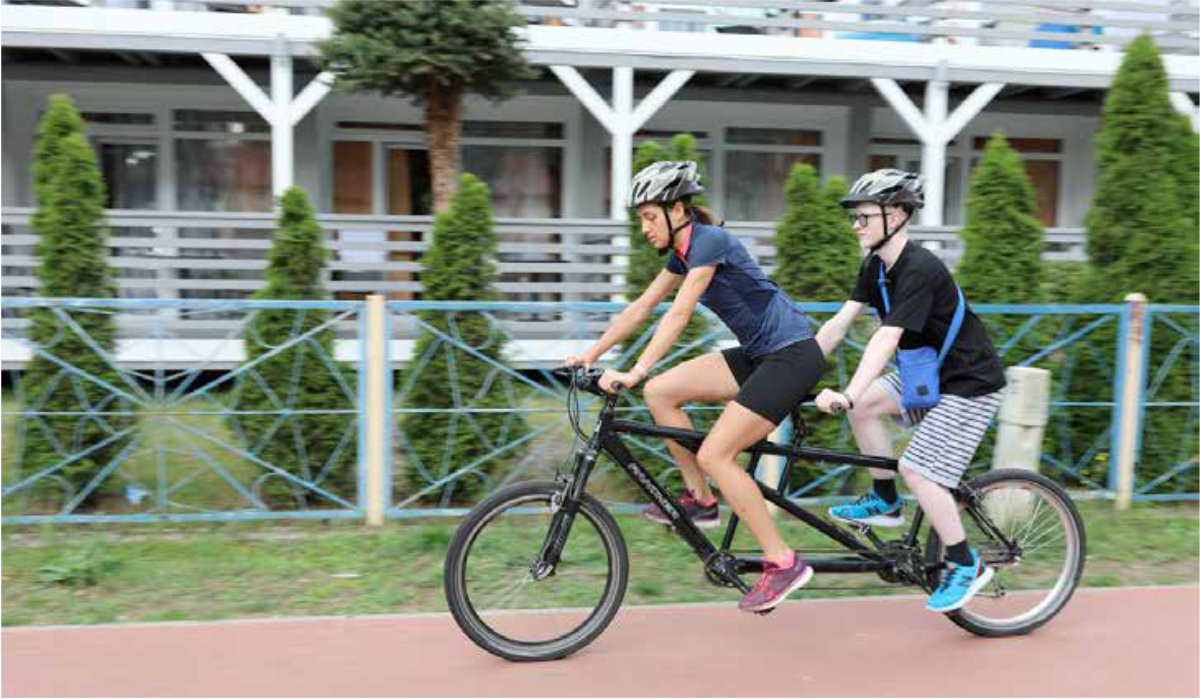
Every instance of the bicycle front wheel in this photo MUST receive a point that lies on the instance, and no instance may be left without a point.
(494, 595)
(1027, 590)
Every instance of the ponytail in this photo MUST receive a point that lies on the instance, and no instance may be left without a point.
(705, 216)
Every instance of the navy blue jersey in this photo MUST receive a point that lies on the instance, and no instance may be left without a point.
(759, 313)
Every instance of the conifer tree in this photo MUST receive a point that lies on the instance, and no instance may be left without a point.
(311, 444)
(72, 262)
(1003, 238)
(459, 266)
(1141, 237)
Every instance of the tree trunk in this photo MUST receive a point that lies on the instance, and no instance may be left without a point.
(443, 122)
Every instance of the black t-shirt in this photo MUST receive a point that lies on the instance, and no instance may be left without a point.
(923, 299)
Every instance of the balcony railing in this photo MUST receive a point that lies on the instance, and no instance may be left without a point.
(188, 255)
(1048, 24)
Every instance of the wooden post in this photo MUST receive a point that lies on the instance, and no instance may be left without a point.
(1131, 398)
(376, 409)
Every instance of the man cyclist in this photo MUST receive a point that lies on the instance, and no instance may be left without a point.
(776, 365)
(918, 311)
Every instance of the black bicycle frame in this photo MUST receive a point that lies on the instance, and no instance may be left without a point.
(607, 439)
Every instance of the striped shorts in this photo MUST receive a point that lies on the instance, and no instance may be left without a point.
(947, 434)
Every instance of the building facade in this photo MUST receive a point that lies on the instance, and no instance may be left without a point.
(201, 111)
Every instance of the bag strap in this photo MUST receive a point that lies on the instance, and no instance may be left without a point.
(955, 324)
(887, 306)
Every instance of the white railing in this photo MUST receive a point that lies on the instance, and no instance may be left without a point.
(223, 255)
(1086, 24)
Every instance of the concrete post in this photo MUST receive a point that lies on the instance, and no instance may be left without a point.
(1131, 397)
(1022, 419)
(770, 469)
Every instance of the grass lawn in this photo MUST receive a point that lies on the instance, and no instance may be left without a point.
(206, 571)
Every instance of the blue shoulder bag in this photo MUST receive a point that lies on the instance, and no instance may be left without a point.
(919, 367)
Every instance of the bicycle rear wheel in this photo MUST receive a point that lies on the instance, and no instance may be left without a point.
(492, 591)
(1039, 517)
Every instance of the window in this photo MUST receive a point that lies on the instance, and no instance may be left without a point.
(754, 183)
(220, 121)
(118, 118)
(130, 173)
(525, 182)
(512, 129)
(775, 137)
(214, 175)
(352, 171)
(758, 162)
(222, 161)
(521, 162)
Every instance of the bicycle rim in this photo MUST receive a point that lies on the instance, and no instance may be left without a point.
(503, 597)
(1024, 593)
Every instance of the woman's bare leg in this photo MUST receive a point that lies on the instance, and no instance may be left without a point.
(703, 379)
(737, 428)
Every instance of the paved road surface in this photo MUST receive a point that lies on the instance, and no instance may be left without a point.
(1131, 642)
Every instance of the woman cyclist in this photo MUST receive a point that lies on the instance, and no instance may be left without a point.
(776, 365)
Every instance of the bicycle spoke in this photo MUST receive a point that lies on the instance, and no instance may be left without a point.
(1029, 591)
(513, 590)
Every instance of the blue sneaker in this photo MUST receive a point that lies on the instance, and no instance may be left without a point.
(959, 585)
(869, 509)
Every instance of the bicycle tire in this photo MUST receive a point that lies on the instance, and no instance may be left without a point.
(470, 619)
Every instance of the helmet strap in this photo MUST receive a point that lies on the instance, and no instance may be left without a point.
(887, 234)
(671, 230)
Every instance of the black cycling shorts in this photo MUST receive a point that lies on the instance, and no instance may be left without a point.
(775, 383)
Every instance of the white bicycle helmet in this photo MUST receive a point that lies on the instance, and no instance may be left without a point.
(888, 187)
(665, 182)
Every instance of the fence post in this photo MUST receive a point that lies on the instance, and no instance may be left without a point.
(1022, 420)
(376, 409)
(1131, 398)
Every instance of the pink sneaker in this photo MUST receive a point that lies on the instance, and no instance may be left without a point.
(775, 585)
(704, 517)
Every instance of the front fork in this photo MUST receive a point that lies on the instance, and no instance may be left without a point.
(565, 504)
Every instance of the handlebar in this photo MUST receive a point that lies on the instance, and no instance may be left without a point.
(585, 379)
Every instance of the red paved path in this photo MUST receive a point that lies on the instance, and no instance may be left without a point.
(1135, 642)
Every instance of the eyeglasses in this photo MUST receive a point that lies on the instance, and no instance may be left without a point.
(858, 220)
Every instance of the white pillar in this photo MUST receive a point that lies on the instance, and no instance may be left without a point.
(280, 110)
(622, 120)
(933, 152)
(935, 128)
(282, 152)
(622, 142)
